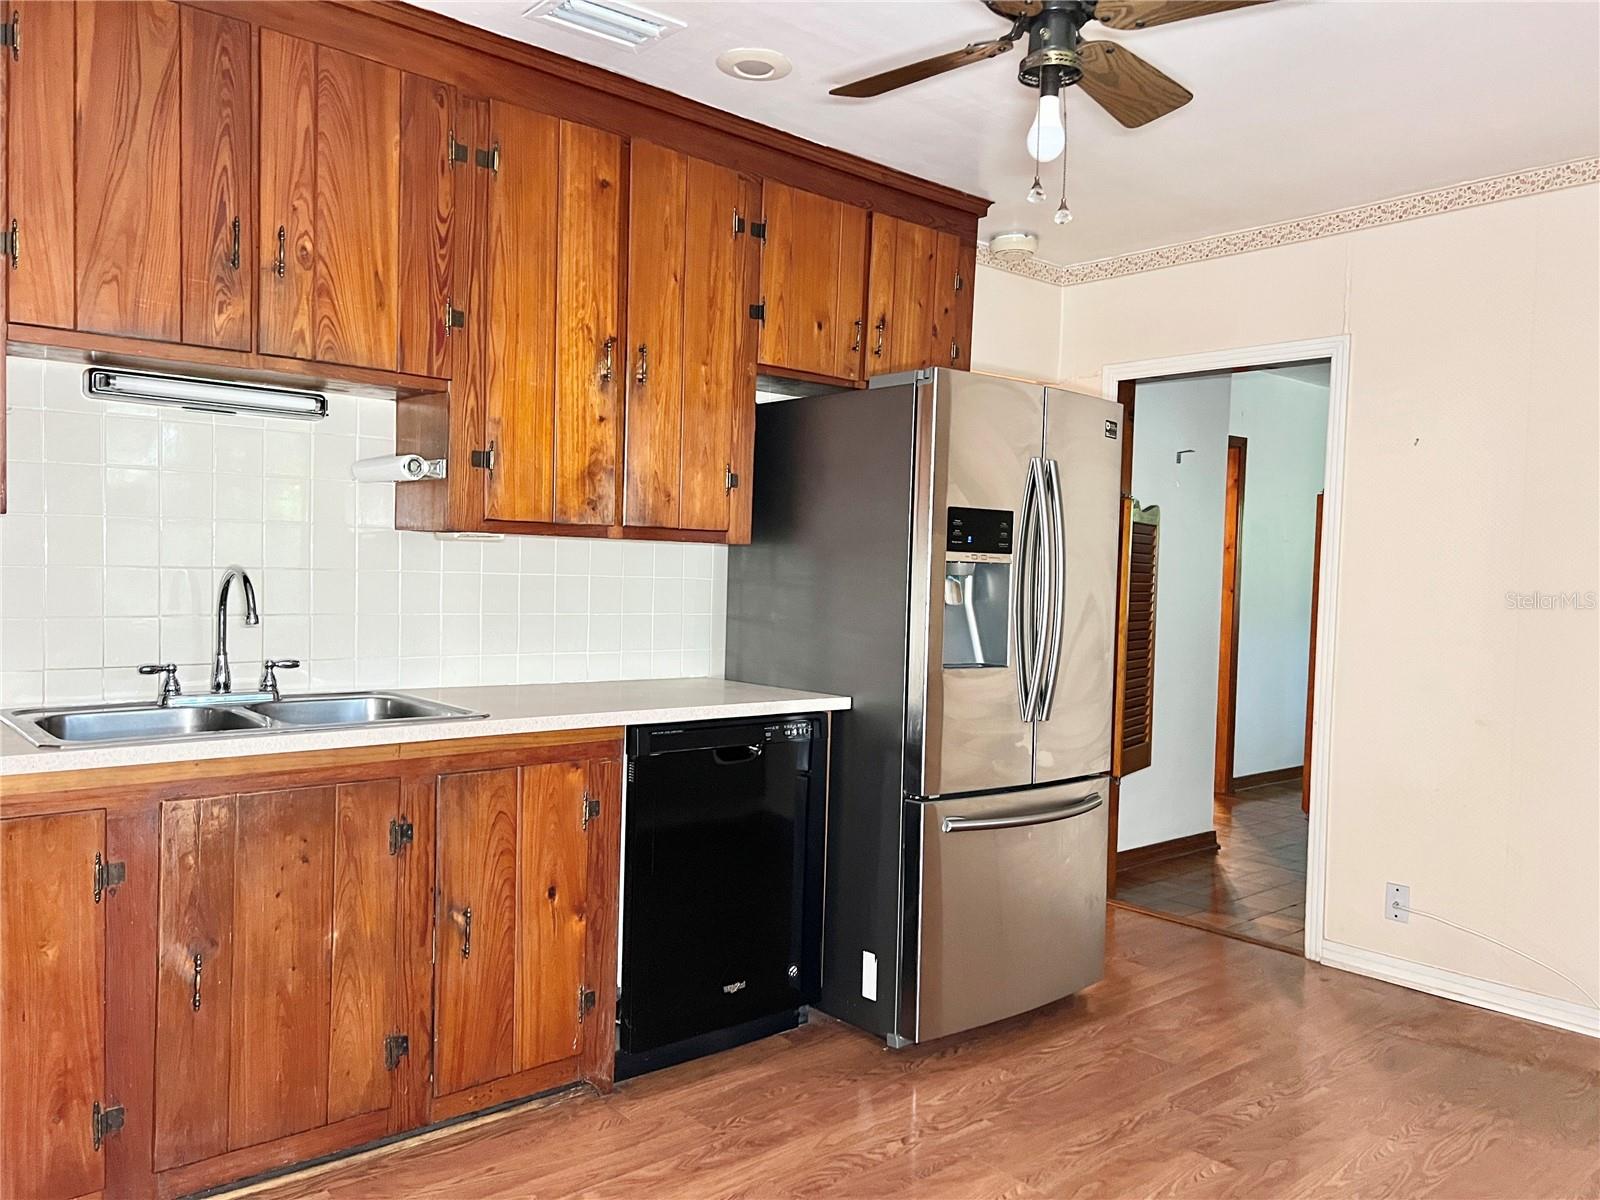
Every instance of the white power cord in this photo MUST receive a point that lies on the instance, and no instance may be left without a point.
(1538, 962)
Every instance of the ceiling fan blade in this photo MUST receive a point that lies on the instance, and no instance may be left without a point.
(1126, 86)
(1015, 10)
(888, 81)
(1141, 14)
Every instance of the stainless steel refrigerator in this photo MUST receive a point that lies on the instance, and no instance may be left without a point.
(942, 548)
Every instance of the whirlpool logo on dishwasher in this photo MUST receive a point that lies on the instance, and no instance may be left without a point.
(736, 986)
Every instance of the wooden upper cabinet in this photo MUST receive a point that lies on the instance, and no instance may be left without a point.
(813, 283)
(218, 185)
(691, 385)
(356, 209)
(519, 299)
(52, 1005)
(41, 209)
(917, 314)
(588, 432)
(128, 175)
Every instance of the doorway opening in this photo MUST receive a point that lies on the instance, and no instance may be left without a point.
(1214, 831)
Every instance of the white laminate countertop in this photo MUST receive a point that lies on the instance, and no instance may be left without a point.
(529, 708)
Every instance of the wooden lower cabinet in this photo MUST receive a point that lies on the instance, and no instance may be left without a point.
(52, 1004)
(334, 955)
(512, 918)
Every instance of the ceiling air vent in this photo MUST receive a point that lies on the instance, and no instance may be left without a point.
(621, 24)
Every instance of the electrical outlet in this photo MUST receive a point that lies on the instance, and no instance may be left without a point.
(1397, 902)
(869, 975)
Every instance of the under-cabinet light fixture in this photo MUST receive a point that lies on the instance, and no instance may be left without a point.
(204, 395)
(624, 24)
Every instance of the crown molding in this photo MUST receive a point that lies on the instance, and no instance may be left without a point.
(1331, 224)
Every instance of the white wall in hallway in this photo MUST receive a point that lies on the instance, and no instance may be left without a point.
(1284, 419)
(1173, 796)
(122, 519)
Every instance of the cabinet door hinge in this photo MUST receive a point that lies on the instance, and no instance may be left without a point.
(489, 159)
(960, 283)
(401, 835)
(454, 318)
(484, 459)
(107, 875)
(585, 1002)
(11, 244)
(11, 35)
(104, 1122)
(456, 152)
(730, 478)
(758, 312)
(758, 229)
(591, 809)
(395, 1047)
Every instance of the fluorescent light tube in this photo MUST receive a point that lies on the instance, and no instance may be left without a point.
(204, 395)
(623, 24)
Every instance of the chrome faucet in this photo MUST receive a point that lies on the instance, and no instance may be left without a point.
(221, 673)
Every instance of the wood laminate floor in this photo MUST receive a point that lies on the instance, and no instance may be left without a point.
(1255, 883)
(1200, 1066)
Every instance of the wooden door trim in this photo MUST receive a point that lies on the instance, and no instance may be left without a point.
(1311, 656)
(1223, 781)
(1125, 397)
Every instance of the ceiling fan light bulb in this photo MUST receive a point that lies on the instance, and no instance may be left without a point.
(1047, 136)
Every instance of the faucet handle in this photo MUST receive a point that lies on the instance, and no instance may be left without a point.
(170, 686)
(269, 673)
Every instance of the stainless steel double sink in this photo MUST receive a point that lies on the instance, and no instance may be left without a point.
(103, 724)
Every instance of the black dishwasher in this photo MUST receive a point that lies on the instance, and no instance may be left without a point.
(722, 885)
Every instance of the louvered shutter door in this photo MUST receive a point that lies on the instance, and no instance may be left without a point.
(1136, 638)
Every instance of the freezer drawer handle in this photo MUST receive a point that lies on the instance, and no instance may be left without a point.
(1018, 820)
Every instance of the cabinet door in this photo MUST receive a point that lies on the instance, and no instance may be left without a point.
(552, 911)
(476, 930)
(277, 976)
(52, 1005)
(588, 432)
(878, 355)
(657, 212)
(520, 298)
(278, 1075)
(41, 113)
(946, 347)
(357, 211)
(813, 277)
(194, 973)
(965, 282)
(911, 326)
(428, 179)
(719, 349)
(128, 177)
(218, 159)
(286, 230)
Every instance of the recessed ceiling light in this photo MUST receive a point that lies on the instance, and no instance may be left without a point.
(622, 24)
(754, 64)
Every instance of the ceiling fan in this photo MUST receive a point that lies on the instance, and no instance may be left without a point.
(1121, 82)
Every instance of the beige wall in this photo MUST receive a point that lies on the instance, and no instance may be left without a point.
(1464, 755)
(1016, 326)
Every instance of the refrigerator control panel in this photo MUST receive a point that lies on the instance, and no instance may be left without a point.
(978, 534)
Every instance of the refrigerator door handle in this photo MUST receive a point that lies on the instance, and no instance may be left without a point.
(1020, 820)
(1024, 572)
(1055, 522)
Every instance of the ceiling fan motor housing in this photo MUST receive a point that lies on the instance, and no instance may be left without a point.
(1052, 62)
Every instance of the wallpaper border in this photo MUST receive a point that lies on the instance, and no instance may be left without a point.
(1330, 224)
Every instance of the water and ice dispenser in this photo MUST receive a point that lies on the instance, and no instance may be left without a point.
(977, 587)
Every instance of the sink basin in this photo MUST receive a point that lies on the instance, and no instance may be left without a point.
(355, 708)
(138, 722)
(100, 724)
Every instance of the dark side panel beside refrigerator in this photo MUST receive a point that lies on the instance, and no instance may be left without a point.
(942, 548)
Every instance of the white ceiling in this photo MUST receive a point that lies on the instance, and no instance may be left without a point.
(1300, 107)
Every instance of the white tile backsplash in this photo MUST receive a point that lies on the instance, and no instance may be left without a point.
(123, 518)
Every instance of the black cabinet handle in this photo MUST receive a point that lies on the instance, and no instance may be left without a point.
(642, 375)
(199, 962)
(233, 255)
(464, 919)
(281, 267)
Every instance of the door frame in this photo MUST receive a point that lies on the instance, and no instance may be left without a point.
(1228, 644)
(1336, 350)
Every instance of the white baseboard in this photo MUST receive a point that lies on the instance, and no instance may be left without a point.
(1499, 997)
